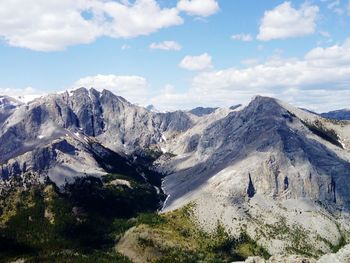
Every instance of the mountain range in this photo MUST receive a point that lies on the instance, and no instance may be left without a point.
(269, 171)
(343, 114)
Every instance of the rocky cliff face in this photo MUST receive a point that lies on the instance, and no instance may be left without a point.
(265, 168)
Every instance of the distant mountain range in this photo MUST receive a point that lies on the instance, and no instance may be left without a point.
(343, 114)
(270, 171)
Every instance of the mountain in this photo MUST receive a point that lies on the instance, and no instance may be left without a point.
(343, 114)
(7, 106)
(49, 134)
(235, 107)
(267, 178)
(266, 167)
(152, 108)
(200, 111)
(8, 103)
(274, 137)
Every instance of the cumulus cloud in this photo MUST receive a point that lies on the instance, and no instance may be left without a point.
(284, 21)
(242, 37)
(197, 63)
(132, 88)
(25, 94)
(51, 25)
(319, 81)
(126, 20)
(45, 25)
(202, 8)
(166, 45)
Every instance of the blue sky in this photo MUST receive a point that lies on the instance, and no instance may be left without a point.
(204, 52)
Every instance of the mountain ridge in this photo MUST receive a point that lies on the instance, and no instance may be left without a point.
(343, 114)
(248, 168)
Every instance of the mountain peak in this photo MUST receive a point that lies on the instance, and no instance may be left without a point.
(263, 99)
(201, 111)
(152, 108)
(8, 103)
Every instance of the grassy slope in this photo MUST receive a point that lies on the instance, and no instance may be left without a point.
(85, 223)
(175, 237)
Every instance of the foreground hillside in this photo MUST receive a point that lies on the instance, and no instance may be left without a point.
(79, 170)
(78, 223)
(110, 220)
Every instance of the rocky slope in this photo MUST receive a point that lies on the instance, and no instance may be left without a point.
(343, 255)
(276, 172)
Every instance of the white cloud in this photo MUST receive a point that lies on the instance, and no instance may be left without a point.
(125, 47)
(25, 95)
(250, 61)
(334, 58)
(166, 45)
(51, 25)
(325, 34)
(335, 6)
(196, 63)
(201, 8)
(242, 37)
(130, 20)
(132, 88)
(45, 25)
(319, 81)
(286, 22)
